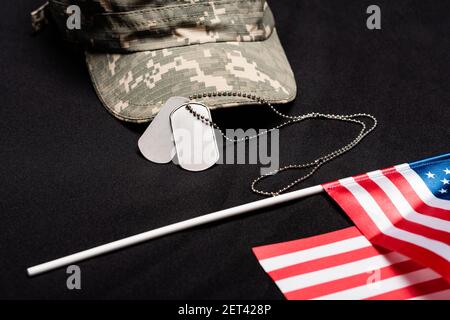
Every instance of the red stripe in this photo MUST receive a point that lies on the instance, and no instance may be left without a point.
(278, 249)
(413, 291)
(327, 262)
(356, 212)
(411, 196)
(391, 212)
(351, 282)
(351, 206)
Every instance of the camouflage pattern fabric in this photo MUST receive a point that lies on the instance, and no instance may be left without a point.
(142, 52)
(126, 25)
(134, 86)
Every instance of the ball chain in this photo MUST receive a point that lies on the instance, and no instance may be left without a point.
(314, 165)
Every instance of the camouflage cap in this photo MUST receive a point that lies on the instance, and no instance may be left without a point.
(141, 52)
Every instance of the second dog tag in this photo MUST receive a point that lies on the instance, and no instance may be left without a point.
(156, 143)
(195, 141)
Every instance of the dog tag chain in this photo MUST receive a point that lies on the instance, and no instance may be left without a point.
(314, 165)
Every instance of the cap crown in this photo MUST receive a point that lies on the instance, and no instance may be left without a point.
(141, 25)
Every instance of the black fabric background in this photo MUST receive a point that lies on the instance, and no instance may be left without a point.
(72, 177)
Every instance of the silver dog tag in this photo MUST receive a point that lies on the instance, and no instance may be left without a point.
(156, 143)
(195, 141)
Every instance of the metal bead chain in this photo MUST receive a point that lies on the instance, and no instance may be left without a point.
(215, 126)
(314, 165)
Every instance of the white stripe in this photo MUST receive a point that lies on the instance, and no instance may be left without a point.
(339, 272)
(403, 206)
(292, 258)
(385, 226)
(421, 188)
(440, 295)
(383, 286)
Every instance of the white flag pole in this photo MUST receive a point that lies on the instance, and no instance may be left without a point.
(172, 228)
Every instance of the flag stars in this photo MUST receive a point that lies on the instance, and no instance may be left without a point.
(430, 175)
(442, 190)
(445, 181)
(447, 171)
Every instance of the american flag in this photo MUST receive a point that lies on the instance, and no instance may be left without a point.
(344, 265)
(404, 209)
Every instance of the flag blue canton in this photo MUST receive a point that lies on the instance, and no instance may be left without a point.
(435, 172)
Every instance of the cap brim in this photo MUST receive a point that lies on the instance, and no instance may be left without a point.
(134, 86)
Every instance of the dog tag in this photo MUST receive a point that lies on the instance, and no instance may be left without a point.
(195, 141)
(156, 143)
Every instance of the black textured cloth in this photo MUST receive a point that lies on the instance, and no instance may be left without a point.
(72, 176)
